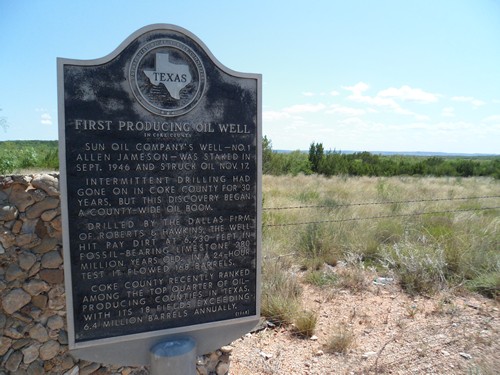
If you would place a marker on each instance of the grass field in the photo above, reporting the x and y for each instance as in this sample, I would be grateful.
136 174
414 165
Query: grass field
419 231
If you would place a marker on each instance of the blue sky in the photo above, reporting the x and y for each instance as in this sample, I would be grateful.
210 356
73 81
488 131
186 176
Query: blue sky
353 75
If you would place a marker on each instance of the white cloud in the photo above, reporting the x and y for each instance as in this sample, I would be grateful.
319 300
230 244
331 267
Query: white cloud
493 118
468 99
334 93
46 119
274 115
308 93
448 112
407 93
304 108
347 111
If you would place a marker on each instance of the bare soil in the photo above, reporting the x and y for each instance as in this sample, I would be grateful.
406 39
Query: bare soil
394 333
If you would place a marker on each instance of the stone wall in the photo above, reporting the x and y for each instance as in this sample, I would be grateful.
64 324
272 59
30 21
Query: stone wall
33 336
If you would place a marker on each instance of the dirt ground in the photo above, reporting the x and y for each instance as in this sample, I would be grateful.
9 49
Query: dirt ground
393 333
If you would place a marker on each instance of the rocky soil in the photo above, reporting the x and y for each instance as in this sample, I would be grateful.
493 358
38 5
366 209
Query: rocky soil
392 333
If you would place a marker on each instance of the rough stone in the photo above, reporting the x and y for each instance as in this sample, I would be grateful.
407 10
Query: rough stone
52 259
3 320
30 353
56 223
40 301
5 343
36 286
27 240
41 229
63 337
55 322
13 333
14 361
47 244
29 225
39 333
40 207
18 344
222 368
36 368
89 369
8 213
74 371
15 300
7 239
49 350
33 311
47 183
16 228
38 194
67 362
26 260
52 276
14 272
57 298
20 197
50 215
34 270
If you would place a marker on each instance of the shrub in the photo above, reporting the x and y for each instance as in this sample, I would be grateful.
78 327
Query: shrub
318 246
305 323
281 293
420 268
341 339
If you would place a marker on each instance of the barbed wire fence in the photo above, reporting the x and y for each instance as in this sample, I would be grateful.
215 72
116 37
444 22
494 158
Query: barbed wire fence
376 217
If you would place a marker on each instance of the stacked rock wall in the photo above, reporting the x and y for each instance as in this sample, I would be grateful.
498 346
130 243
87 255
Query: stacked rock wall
33 336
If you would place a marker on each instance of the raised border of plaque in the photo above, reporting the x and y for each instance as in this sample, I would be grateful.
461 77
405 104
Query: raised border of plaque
126 121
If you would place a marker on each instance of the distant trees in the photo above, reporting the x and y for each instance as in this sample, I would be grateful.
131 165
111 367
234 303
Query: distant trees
23 155
364 163
316 156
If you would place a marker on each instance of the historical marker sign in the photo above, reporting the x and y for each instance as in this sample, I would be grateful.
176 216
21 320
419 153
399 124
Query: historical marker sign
160 179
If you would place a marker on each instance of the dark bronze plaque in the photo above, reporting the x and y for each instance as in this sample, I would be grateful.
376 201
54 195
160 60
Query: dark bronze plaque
161 182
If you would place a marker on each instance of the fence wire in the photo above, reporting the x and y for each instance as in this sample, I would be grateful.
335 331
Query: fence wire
379 203
376 217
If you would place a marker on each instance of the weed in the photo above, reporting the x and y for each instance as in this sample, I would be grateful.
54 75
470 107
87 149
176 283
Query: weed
305 323
317 246
320 278
280 293
419 268
353 278
341 339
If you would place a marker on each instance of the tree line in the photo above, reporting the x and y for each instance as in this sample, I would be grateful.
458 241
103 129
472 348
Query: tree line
332 163
22 155
25 155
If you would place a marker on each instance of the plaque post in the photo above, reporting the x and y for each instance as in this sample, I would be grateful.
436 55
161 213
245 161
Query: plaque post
174 357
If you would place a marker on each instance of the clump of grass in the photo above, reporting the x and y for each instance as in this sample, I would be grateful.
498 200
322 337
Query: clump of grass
341 339
352 278
318 246
487 284
281 293
420 268
305 323
320 278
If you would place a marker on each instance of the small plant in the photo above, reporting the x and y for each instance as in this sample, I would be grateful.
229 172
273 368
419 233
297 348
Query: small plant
411 311
305 323
280 293
320 278
317 246
420 268
487 284
341 340
352 278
